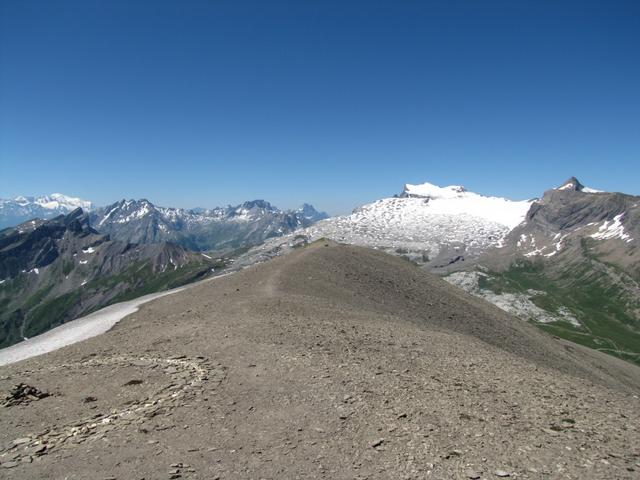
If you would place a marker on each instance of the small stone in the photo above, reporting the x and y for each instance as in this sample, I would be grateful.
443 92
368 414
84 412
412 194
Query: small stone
473 475
21 441
453 453
38 450
135 381
9 464
377 443
502 473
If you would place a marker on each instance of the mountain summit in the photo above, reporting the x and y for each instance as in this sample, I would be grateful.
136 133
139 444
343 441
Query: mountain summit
574 185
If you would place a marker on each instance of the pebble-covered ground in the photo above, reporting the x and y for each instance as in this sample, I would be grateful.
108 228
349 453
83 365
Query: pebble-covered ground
330 362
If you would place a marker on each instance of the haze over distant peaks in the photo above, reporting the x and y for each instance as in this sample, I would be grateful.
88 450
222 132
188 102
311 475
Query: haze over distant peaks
22 208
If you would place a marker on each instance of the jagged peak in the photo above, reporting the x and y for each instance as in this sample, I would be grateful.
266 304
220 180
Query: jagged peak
571 184
574 185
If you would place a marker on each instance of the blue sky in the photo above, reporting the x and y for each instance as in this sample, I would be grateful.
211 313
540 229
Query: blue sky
204 103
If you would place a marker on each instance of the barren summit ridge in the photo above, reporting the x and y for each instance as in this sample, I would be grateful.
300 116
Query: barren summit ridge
330 362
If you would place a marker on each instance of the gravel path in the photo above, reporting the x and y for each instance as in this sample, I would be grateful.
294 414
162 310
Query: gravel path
331 362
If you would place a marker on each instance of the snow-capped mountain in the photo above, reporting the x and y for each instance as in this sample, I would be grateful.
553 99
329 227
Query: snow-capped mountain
568 261
572 265
20 209
571 212
250 223
435 225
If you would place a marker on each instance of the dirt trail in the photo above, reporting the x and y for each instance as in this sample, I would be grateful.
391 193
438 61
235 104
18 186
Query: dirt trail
332 362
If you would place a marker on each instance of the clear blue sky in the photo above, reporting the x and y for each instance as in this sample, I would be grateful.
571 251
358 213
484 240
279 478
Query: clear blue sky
202 103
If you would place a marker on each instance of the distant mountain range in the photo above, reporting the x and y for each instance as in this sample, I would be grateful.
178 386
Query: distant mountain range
52 271
140 221
569 261
20 209
247 224
56 269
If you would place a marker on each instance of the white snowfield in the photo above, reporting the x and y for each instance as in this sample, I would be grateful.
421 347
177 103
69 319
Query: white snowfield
425 217
82 328
455 200
55 201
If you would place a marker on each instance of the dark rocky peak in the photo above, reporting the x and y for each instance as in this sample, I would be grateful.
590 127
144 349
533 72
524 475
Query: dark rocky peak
262 204
36 244
78 222
310 213
573 184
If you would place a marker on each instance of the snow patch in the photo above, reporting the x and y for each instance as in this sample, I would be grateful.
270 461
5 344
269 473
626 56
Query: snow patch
612 229
82 328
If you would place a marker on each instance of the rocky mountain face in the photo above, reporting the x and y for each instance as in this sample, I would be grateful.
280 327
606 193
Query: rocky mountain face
52 271
573 265
20 209
247 224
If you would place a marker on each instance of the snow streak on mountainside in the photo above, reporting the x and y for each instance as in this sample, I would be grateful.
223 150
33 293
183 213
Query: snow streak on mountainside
438 226
20 209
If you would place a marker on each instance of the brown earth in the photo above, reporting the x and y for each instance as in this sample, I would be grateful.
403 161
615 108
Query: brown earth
331 362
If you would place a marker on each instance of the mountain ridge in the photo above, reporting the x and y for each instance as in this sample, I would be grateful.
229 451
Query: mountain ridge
339 351
230 227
